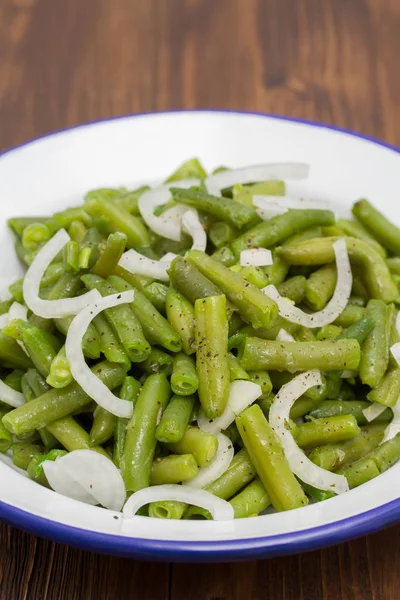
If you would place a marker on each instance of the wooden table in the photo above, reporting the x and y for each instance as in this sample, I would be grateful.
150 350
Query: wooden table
67 62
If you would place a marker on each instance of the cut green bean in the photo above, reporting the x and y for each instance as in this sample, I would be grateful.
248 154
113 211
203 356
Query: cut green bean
103 426
174 468
72 436
251 501
180 313
257 354
212 358
222 233
201 444
293 288
328 430
111 254
320 286
141 440
110 345
158 362
60 372
130 390
184 378
120 220
236 371
354 229
266 454
157 294
175 419
387 391
375 349
262 379
381 229
22 453
332 408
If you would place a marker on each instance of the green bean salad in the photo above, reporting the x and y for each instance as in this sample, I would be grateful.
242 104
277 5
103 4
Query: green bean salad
203 349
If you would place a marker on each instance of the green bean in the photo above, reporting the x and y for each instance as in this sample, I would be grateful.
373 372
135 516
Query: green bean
331 355
110 345
56 404
211 335
111 254
375 349
359 330
253 304
103 426
239 473
72 436
175 419
35 468
262 379
302 406
15 290
35 235
302 236
190 169
235 369
38 386
18 224
266 454
158 362
224 256
333 456
351 314
180 313
155 327
188 280
233 212
394 264
6 438
387 391
381 229
255 276
320 251
244 193
157 294
77 231
13 380
122 320
251 501
130 390
71 257
358 287
60 373
22 453
184 378
320 286
120 220
387 454
329 332
359 472
138 281
354 229
332 408
328 430
167 509
140 440
222 233
276 272
316 393
278 229
67 216
201 444
174 468
293 288
38 344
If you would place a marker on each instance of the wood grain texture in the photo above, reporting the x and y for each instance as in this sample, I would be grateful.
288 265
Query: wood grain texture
63 63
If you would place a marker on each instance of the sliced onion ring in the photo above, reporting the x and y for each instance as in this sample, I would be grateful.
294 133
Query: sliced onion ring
168 224
225 179
4 320
18 311
395 351
136 263
301 466
220 509
241 395
192 225
218 466
268 203
373 411
284 336
256 257
10 396
336 304
97 475
52 309
61 482
79 369
394 426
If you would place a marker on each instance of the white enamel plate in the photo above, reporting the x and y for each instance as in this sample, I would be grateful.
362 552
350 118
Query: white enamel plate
54 172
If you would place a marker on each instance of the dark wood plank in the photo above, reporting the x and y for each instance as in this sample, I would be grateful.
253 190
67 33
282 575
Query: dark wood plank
63 63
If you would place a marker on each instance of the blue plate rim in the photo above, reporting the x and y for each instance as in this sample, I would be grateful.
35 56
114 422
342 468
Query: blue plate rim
221 550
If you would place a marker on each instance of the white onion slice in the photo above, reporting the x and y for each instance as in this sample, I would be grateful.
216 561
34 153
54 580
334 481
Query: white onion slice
4 320
220 509
266 204
373 411
136 263
192 225
79 369
218 466
18 311
394 426
168 258
61 482
168 224
51 309
272 211
254 173
398 322
284 336
395 350
10 396
348 373
336 304
241 394
256 257
97 475
301 466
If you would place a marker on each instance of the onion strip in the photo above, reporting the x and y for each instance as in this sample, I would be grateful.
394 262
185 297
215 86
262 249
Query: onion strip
136 263
192 225
268 204
301 466
10 396
335 306
256 257
52 309
225 179
220 509
373 411
79 369
394 427
219 465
